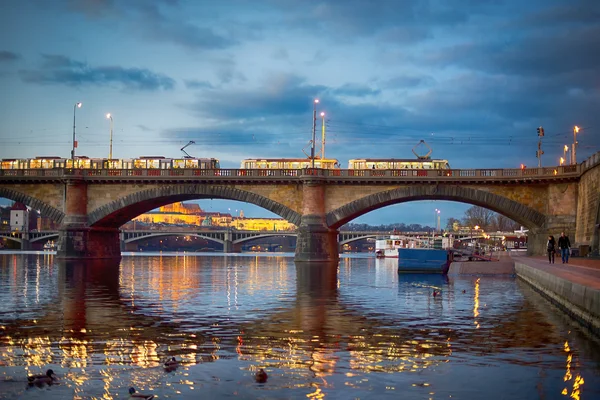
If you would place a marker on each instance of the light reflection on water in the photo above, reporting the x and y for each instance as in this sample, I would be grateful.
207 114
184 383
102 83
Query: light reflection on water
357 330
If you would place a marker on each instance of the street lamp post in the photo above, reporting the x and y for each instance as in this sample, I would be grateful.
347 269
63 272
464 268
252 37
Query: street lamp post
75 107
111 133
565 151
323 136
574 152
312 148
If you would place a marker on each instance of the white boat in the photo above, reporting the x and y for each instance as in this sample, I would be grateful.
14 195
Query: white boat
388 246
49 246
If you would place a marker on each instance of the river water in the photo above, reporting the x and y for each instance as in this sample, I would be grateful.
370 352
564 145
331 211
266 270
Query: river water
354 331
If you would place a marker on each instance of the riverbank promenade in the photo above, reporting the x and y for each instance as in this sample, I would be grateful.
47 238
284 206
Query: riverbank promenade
573 287
583 271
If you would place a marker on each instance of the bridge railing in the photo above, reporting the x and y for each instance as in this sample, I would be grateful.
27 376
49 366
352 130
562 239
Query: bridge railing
567 170
407 174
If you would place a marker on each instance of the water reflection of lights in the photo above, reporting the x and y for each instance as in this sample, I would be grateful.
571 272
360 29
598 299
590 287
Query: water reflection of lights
577 382
476 303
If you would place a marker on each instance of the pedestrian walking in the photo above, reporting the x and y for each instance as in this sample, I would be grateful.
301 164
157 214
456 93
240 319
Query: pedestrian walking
564 245
551 249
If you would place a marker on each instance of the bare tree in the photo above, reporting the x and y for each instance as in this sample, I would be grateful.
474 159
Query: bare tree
452 224
478 216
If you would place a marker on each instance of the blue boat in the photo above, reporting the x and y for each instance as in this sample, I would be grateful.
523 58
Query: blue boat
424 261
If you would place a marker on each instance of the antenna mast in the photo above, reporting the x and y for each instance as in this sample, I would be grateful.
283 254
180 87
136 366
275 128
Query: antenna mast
185 152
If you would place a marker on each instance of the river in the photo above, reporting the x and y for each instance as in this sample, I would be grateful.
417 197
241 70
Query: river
354 331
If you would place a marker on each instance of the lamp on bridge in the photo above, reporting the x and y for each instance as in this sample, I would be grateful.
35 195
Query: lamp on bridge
75 107
574 152
323 137
312 147
111 132
562 160
565 151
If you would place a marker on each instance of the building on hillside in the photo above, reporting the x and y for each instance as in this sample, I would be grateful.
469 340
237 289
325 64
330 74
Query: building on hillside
217 219
181 208
192 214
19 217
262 224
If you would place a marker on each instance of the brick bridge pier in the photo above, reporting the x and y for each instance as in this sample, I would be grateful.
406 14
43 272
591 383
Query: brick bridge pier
91 205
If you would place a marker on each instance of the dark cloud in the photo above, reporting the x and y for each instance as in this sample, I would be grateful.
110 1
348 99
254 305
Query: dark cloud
7 56
195 84
159 21
58 69
407 82
281 94
545 53
355 90
406 21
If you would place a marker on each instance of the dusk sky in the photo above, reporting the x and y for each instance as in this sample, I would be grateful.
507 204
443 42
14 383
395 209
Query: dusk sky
473 78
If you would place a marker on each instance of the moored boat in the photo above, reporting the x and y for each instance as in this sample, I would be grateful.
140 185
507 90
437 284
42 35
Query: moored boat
434 261
388 246
49 246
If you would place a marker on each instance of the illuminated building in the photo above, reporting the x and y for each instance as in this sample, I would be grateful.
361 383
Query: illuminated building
192 214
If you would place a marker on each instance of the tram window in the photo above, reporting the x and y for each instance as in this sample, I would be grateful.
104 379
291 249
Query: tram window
191 163
152 164
10 164
165 164
47 163
35 164
139 164
114 164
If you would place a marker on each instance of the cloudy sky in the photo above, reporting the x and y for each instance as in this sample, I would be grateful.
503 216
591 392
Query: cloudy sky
473 78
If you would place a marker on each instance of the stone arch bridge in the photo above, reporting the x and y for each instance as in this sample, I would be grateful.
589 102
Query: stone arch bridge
91 204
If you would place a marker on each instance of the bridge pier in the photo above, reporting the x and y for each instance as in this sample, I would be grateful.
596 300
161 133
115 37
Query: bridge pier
78 240
316 242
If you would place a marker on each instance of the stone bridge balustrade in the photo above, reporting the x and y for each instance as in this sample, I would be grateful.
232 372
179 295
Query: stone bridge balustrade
92 204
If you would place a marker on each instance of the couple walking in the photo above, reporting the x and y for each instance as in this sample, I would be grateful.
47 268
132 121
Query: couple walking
564 245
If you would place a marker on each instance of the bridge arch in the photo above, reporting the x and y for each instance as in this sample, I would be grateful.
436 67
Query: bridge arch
518 212
13 238
118 212
354 239
159 234
47 210
249 238
45 237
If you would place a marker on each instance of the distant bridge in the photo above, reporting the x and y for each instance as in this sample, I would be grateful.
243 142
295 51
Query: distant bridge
230 238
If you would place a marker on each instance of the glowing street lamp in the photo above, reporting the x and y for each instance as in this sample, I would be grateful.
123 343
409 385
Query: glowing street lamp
323 136
574 152
312 148
562 161
75 107
111 133
565 151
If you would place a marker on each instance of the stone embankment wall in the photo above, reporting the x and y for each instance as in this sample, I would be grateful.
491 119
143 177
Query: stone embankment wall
580 302
588 205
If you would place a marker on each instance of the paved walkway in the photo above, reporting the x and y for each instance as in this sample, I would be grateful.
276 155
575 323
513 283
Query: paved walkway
583 271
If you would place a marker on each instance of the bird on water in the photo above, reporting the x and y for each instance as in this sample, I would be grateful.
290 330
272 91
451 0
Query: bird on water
134 395
261 376
49 378
171 364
